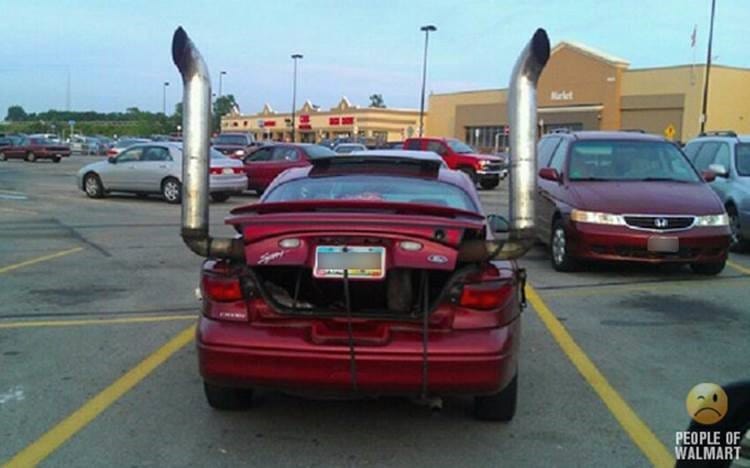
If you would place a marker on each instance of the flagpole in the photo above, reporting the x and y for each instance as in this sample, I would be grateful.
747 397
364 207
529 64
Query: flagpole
704 111
692 45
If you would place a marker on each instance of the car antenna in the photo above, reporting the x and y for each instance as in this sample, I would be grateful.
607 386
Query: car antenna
352 354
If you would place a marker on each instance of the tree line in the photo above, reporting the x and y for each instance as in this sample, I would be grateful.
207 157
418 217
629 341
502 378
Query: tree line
132 122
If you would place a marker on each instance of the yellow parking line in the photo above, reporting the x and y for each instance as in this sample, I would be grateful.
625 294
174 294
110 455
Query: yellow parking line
738 267
638 431
64 430
39 260
70 323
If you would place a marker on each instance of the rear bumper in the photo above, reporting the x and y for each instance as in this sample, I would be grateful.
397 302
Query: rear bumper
460 362
228 183
696 245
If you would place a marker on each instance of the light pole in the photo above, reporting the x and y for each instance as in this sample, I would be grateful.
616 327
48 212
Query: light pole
164 98
221 75
295 57
704 111
427 29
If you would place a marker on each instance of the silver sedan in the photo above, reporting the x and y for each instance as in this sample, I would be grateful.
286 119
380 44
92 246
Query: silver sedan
156 168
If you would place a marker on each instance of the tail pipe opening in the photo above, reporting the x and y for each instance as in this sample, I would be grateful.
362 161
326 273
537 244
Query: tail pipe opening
196 124
522 108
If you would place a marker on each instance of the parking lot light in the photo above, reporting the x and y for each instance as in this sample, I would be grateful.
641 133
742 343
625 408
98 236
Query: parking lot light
164 98
427 29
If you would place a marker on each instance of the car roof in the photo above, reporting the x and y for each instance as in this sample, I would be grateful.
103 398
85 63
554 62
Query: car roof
722 136
607 135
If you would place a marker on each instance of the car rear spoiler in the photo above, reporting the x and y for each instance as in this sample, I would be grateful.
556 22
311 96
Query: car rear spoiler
523 133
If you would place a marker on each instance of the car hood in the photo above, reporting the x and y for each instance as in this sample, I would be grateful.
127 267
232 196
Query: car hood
483 157
672 198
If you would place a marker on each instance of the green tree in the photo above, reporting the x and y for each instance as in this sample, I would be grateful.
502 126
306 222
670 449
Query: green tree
222 106
16 114
376 100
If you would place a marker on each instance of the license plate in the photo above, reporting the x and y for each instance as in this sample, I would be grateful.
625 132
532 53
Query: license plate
663 244
227 170
359 262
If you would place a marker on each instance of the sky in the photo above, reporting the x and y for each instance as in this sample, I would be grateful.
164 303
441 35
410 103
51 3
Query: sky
117 53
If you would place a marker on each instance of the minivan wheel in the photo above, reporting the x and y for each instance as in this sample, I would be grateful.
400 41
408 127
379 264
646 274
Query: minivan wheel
30 156
738 242
498 407
709 269
92 185
226 398
171 189
489 184
561 259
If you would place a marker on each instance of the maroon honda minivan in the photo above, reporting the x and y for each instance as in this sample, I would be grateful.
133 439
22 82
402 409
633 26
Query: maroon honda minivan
626 196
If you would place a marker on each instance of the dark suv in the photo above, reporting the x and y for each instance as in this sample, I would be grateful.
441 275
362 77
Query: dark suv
626 196
234 145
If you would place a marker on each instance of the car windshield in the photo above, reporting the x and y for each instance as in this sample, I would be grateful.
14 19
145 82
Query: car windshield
231 140
368 187
460 147
317 151
742 159
628 160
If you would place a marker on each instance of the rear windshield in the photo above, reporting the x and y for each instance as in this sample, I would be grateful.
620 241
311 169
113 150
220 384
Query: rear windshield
364 187
231 140
317 151
627 160
742 161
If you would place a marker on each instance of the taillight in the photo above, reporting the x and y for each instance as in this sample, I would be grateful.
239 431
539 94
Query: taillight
216 170
222 289
238 170
485 296
111 152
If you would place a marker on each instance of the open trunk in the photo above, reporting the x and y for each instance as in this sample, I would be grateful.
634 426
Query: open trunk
375 259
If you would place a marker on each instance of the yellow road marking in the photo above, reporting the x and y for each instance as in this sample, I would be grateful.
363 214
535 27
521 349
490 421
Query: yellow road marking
71 323
15 210
64 430
638 431
39 260
738 267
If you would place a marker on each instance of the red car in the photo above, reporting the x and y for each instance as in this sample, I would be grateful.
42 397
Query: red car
366 274
33 148
265 163
627 196
485 169
396 224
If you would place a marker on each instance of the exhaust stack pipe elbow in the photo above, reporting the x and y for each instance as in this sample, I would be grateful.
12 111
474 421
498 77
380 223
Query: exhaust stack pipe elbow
522 106
196 125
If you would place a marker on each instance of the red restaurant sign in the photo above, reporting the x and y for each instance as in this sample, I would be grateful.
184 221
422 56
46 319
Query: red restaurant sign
269 123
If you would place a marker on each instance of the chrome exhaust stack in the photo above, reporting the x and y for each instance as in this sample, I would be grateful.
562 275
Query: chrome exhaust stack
196 124
522 106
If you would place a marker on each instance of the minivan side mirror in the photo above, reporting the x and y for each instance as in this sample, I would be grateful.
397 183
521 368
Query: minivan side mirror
498 224
719 170
549 173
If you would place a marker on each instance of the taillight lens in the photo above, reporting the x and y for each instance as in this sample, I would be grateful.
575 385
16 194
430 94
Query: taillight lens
221 289
238 170
485 296
216 170
111 152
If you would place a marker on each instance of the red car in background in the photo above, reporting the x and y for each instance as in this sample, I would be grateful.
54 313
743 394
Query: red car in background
32 148
268 161
627 196
484 169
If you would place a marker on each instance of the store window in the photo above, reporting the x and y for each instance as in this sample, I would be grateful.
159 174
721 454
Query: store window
486 138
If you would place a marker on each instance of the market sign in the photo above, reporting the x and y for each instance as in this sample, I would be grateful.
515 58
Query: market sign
269 123
347 121
334 121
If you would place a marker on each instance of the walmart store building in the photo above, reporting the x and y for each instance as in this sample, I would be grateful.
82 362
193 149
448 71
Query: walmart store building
585 89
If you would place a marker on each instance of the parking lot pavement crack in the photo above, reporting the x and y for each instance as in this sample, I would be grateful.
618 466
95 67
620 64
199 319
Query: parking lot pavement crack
79 237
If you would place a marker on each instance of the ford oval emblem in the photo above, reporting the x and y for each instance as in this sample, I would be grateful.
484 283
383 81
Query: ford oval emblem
437 259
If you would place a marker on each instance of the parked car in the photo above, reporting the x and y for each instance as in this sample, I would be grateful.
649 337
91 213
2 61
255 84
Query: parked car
124 143
266 162
626 196
234 145
32 149
156 168
347 148
84 145
484 169
727 155
367 213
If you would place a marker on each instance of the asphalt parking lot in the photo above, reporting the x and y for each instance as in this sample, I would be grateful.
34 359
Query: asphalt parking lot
97 365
